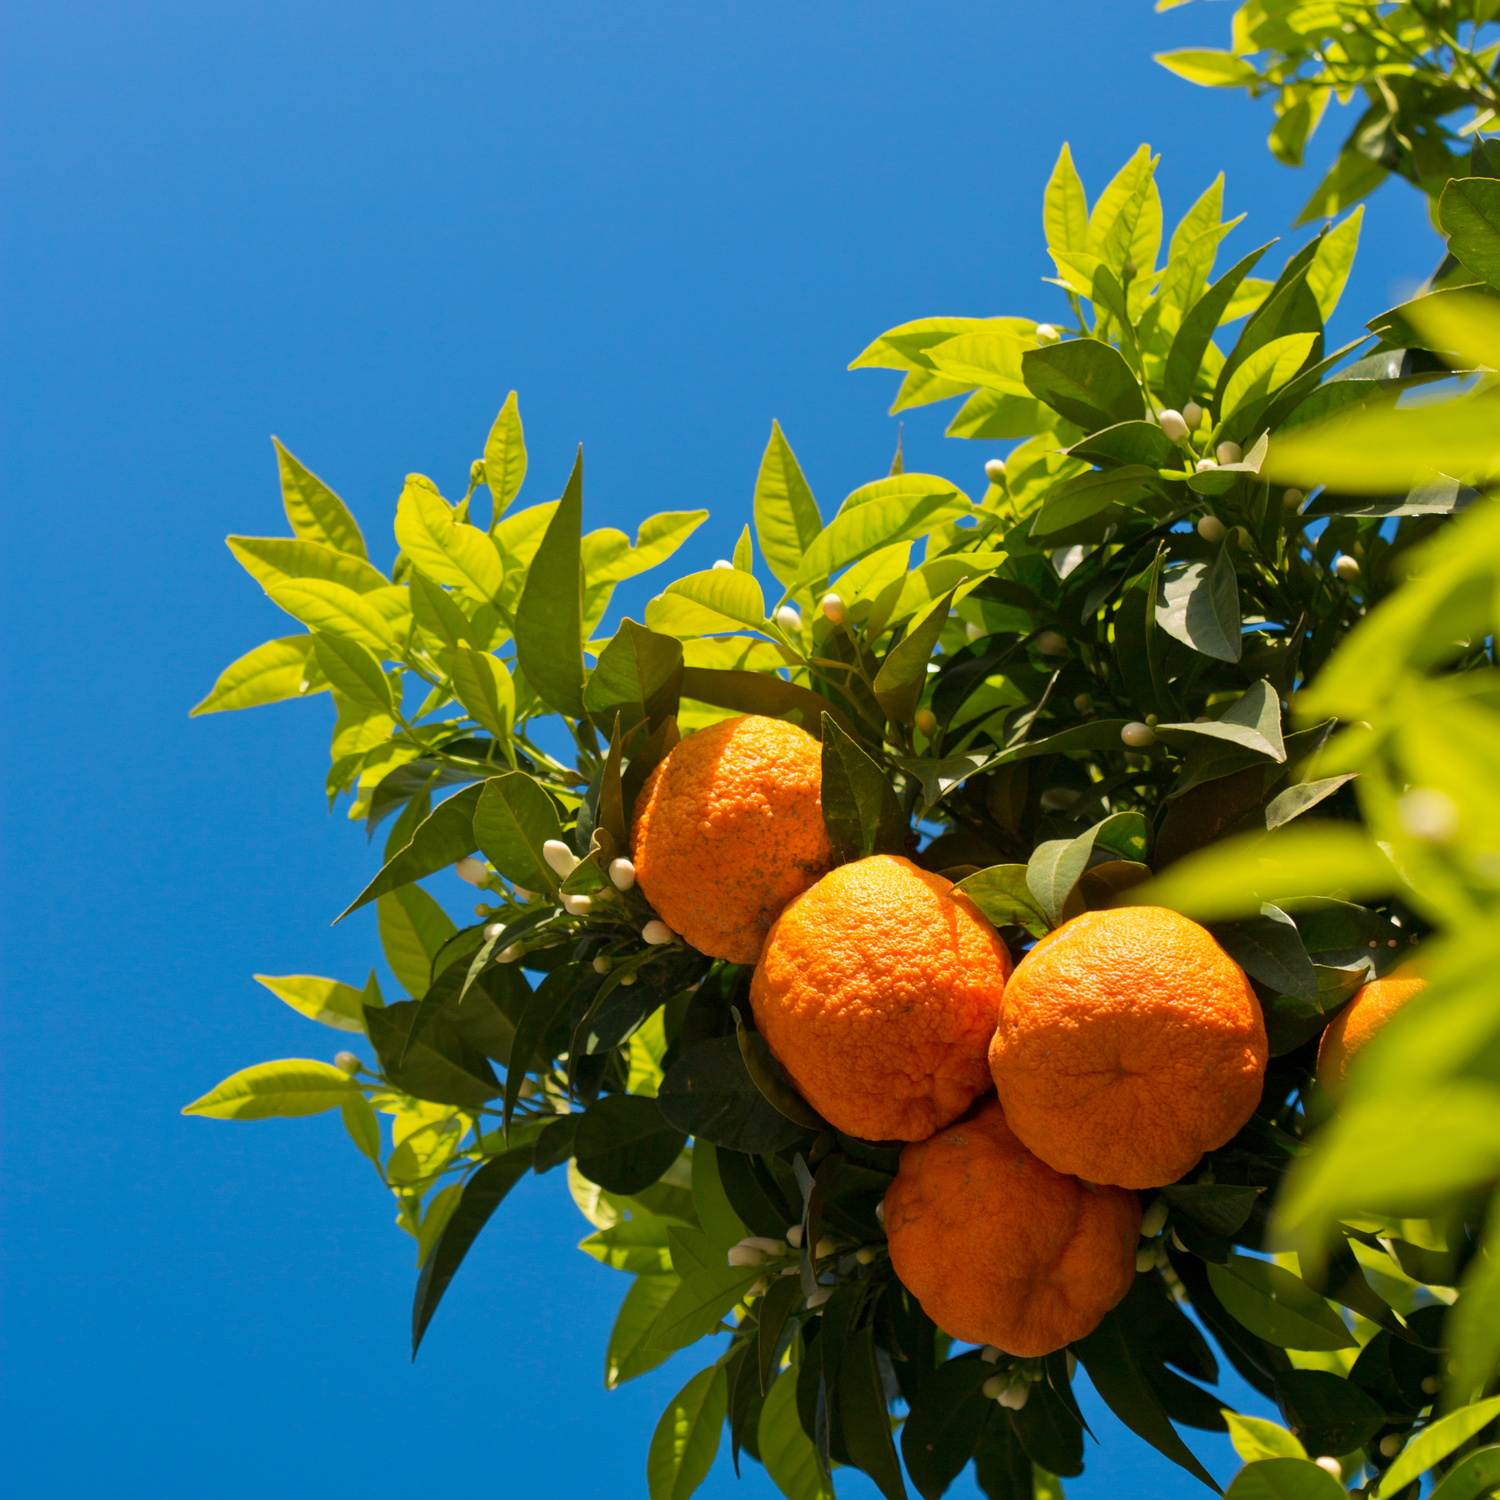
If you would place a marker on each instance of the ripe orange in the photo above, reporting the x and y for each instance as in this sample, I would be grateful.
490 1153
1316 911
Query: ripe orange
1129 1044
728 828
1000 1249
877 992
1354 1028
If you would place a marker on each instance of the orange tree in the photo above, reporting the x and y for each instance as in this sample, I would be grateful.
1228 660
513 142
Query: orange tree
1217 638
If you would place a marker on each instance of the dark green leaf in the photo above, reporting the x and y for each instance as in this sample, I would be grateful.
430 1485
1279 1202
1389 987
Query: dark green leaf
1290 1020
1200 606
863 1418
638 677
482 1195
1472 1477
708 1092
1076 500
746 1402
1221 1207
443 838
860 809
1127 1393
1002 894
542 1012
1328 1413
624 1143
767 1075
1086 381
1253 723
1128 443
1056 865
1278 1306
513 818
437 1065
1049 1432
944 1424
754 1196
1269 948
775 1308
903 674
549 616
1469 212
696 1307
761 693
1193 337
1002 1468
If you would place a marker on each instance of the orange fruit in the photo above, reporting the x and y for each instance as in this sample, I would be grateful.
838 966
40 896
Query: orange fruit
1000 1249
1129 1044
1354 1028
877 992
728 828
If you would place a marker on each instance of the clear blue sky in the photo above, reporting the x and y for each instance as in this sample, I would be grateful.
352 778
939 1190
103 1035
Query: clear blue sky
358 226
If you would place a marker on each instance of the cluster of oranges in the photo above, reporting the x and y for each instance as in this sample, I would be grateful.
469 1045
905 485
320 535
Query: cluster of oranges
1123 1046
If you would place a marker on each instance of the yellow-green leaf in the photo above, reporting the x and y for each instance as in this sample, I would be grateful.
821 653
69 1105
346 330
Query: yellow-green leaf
444 548
324 1000
275 559
485 689
505 456
786 515
293 1086
271 673
687 1436
1211 68
315 512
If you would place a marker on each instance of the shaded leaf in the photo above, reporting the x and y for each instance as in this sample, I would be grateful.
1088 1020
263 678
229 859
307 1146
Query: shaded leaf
549 616
624 1143
708 1093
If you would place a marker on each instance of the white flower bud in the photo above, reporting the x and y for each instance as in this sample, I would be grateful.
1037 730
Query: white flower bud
629 978
788 618
621 874
1229 453
1330 1466
1431 1385
577 906
824 1248
994 471
880 1214
1083 703
601 965
974 632
865 1256
1293 499
1138 735
472 870
509 955
995 1387
657 932
1173 424
1046 334
1192 414
1346 567
833 608
1212 529
1426 813
348 1062
1050 643
493 931
794 1236
1145 1258
746 1255
1204 465
1390 1445
926 721
819 1297
521 894
989 1354
1017 1396
560 857
1154 1220
724 562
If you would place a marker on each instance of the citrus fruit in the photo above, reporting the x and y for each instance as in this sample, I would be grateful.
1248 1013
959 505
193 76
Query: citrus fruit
728 828
999 1248
1129 1044
877 993
1354 1028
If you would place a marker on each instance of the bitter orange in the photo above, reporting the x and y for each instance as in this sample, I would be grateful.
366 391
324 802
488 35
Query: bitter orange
1354 1028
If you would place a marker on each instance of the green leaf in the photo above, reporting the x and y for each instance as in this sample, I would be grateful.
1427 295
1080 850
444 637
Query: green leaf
1253 722
1086 381
322 605
637 1245
1255 1438
326 1001
624 1143
437 1065
708 1093
363 1127
1185 359
1435 1443
446 549
1076 500
995 415
413 929
1473 1332
1269 948
628 1354
638 677
860 810
760 693
275 560
438 617
1265 372
1234 877
444 837
315 512
1329 1413
1002 894
1213 69
1301 797
1057 865
1471 1478
549 617
1352 176
505 456
271 673
902 677
1218 1206
608 557
990 358
485 689
696 1308
1469 212
1284 1479
925 503
1118 205
768 1076
1329 271
294 1086
1200 606
715 1212
482 1195
1065 213
942 1429
863 1419
786 516
786 1450
1126 1391
1277 1306
353 670
687 1436
512 819
727 594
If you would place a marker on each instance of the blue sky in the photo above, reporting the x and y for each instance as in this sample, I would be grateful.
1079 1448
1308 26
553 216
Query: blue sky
358 226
